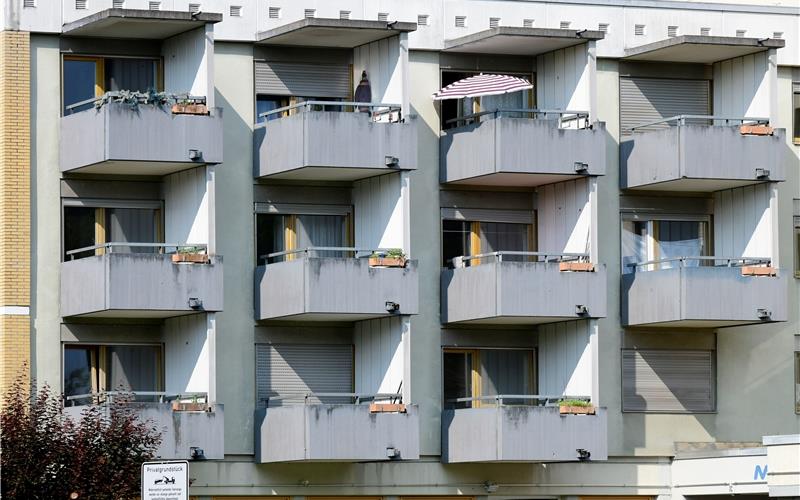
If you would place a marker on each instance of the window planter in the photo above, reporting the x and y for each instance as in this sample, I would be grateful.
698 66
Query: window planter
387 262
189 406
387 408
191 258
758 271
576 410
189 109
585 267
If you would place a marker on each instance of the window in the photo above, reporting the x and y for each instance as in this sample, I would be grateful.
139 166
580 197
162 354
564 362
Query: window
796 111
475 373
657 239
668 381
87 225
89 369
463 238
89 77
455 108
282 232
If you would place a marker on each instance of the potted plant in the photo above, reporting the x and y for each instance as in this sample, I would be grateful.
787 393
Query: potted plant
575 407
186 106
394 257
180 404
190 254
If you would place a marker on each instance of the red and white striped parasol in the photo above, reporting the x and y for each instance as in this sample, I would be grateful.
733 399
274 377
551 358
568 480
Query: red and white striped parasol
481 85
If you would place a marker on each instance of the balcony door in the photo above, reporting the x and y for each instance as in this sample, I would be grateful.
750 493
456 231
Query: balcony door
323 227
470 374
501 230
663 239
85 78
91 369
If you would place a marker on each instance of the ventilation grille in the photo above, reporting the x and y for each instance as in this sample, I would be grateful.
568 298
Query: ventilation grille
80 4
527 23
494 22
564 25
461 21
672 31
603 27
344 14
705 31
383 16
118 4
638 29
422 20
29 4
154 5
741 33
236 11
777 34
274 12
194 8
309 13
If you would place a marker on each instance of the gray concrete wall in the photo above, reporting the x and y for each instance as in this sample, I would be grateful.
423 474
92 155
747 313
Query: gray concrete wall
334 286
716 296
333 139
334 433
513 292
180 430
519 145
521 434
118 285
701 152
150 134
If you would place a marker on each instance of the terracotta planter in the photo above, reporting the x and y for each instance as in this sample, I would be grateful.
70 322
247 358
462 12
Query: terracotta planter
583 267
576 410
189 109
387 262
758 271
193 258
387 408
179 406
756 130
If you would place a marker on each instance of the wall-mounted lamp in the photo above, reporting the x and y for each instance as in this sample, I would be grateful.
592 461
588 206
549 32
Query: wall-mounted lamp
583 454
581 310
195 154
391 161
764 314
762 173
490 486
581 167
196 453
392 452
195 303
392 307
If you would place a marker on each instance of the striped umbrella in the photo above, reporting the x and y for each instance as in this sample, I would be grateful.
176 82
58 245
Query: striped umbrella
481 85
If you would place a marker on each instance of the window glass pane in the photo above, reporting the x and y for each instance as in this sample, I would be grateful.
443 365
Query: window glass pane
321 231
133 368
797 382
634 244
507 372
457 378
130 74
680 239
500 236
78 371
455 240
269 236
79 230
79 83
131 225
797 251
796 105
266 103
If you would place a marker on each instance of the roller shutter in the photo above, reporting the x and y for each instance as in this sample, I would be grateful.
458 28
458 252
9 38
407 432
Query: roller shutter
285 369
303 80
644 100
679 381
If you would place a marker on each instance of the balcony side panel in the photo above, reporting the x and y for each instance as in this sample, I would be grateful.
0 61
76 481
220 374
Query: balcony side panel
650 158
280 434
185 429
83 285
724 153
470 435
651 297
83 140
469 293
539 146
279 145
280 289
467 152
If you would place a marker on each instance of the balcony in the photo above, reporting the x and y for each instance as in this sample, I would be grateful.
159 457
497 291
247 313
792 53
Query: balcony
180 430
522 147
520 433
508 288
314 431
309 287
115 284
148 139
698 292
702 153
309 141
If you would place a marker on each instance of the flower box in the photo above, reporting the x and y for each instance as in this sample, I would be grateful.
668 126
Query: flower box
181 406
193 258
576 410
756 130
758 271
584 267
189 109
387 408
387 262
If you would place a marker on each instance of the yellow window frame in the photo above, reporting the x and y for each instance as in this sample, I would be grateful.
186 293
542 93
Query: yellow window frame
475 374
100 72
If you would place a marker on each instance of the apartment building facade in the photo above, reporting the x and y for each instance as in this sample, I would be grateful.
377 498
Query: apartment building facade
319 290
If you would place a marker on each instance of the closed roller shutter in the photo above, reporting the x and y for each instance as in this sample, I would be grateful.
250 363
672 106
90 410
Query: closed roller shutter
644 100
303 80
668 381
286 369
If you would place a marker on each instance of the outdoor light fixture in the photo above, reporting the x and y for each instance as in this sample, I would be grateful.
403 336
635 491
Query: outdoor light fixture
392 307
764 314
392 452
195 303
581 167
197 453
581 310
490 486
762 173
391 161
195 154
583 454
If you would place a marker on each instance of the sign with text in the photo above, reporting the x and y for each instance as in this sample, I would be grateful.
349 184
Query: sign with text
165 480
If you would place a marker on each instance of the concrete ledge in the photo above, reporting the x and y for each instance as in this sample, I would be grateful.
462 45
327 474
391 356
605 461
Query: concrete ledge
139 23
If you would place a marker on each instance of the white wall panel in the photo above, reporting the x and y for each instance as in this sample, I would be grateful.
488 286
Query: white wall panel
379 354
743 222
565 358
564 216
562 79
186 62
379 206
741 86
187 217
381 60
189 354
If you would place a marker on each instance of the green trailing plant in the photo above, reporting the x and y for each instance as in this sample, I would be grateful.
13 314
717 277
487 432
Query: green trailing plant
575 402
133 99
184 250
390 252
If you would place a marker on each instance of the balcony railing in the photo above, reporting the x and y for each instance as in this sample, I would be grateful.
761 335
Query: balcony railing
347 252
565 119
545 257
707 120
699 260
355 398
108 398
378 111
160 248
530 399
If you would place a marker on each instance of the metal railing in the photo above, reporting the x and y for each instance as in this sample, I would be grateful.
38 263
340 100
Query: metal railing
141 97
356 398
357 253
537 400
545 257
703 260
376 109
107 397
580 119
709 120
109 247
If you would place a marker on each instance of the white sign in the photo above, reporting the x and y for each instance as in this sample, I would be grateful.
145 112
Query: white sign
165 480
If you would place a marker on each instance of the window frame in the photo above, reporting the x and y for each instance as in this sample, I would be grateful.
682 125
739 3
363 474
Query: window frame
100 369
475 372
475 217
652 218
796 113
